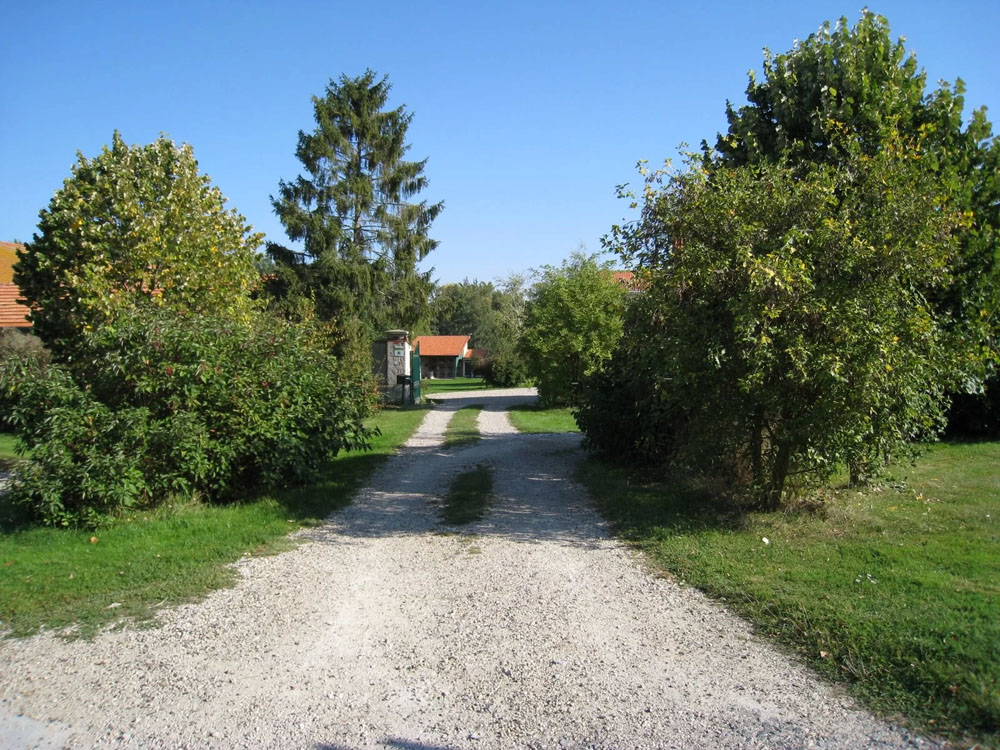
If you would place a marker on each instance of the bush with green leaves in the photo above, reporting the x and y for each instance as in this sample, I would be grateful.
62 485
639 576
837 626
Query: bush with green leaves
860 81
504 369
159 403
787 327
15 343
572 324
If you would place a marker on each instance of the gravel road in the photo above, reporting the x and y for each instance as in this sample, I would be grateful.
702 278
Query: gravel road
530 629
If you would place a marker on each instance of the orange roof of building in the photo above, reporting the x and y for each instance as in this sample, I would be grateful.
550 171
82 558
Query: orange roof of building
442 346
477 354
8 257
13 311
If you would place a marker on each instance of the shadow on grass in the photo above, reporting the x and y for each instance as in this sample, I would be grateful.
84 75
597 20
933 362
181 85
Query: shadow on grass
638 501
311 504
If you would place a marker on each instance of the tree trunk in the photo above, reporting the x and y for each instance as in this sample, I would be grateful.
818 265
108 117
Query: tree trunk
779 473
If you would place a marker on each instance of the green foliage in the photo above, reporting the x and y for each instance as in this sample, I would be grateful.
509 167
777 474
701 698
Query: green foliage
860 82
505 365
858 78
24 346
786 326
134 225
572 324
892 590
494 316
464 309
362 236
14 343
505 368
160 404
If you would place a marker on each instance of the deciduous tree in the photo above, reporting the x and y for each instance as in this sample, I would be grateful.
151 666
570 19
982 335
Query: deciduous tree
572 324
134 226
858 86
786 325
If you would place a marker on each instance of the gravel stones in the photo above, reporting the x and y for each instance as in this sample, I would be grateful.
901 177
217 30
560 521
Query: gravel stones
531 628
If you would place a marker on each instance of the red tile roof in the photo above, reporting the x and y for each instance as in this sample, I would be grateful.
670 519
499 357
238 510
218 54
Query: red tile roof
13 311
442 346
477 354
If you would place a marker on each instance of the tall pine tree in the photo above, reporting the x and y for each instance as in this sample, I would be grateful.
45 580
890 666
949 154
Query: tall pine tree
363 233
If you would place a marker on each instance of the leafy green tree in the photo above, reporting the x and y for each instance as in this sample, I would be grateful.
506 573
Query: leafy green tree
846 87
464 308
134 226
505 365
362 232
573 322
786 325
163 403
168 376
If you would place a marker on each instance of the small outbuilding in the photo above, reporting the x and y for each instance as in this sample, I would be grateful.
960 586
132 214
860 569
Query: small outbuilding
443 357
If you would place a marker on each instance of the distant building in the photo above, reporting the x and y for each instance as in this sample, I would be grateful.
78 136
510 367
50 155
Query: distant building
13 310
445 357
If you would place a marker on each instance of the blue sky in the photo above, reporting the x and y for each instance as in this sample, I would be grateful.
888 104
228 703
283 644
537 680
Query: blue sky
530 113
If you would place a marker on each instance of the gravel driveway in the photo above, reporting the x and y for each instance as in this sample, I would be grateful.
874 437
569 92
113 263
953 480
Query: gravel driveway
532 628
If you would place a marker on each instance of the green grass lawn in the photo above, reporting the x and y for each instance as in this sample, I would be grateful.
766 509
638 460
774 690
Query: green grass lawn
7 443
531 418
7 453
468 497
56 578
463 429
430 387
896 592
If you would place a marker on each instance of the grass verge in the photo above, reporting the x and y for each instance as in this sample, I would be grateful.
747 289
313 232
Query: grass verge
430 387
8 454
463 429
59 578
468 497
7 443
532 418
896 592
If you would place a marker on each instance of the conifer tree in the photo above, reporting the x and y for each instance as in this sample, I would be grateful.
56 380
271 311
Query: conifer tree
354 211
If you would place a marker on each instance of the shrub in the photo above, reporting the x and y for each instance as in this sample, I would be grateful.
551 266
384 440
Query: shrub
787 328
15 343
161 403
573 322
503 369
